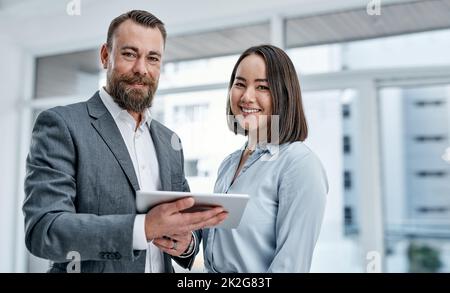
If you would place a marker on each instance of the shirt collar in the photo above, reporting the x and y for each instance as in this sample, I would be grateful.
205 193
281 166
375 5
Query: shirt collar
271 148
119 113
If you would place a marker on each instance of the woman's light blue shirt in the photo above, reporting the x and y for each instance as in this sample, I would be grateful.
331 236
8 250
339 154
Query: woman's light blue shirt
287 186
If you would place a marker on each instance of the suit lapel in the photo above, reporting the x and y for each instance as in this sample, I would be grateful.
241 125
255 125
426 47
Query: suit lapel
163 155
107 129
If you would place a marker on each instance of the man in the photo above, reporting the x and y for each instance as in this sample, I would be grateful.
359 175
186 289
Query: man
87 160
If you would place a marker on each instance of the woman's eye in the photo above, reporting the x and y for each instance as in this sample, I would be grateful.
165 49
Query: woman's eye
239 84
263 87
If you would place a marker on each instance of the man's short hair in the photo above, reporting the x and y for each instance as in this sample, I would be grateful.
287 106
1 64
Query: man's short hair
141 17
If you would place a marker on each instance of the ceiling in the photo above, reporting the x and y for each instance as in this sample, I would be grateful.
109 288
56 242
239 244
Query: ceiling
216 43
344 26
339 26
203 28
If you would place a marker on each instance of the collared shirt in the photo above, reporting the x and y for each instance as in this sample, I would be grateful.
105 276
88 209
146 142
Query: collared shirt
143 155
287 186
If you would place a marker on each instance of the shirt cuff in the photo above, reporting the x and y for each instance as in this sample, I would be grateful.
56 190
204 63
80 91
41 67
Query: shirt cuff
139 238
191 248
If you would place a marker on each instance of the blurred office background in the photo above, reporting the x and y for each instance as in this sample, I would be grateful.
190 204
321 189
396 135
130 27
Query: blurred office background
376 88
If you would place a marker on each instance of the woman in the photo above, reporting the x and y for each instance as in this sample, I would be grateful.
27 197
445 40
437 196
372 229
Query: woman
285 180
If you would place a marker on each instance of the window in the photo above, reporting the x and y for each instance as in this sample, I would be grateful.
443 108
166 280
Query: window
74 74
408 50
347 145
348 215
316 59
192 72
429 103
347 180
429 209
431 173
429 138
415 131
350 224
190 113
346 111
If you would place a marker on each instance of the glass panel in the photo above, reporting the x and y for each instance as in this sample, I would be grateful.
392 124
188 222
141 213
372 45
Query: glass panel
329 123
316 59
197 72
415 135
410 50
207 141
199 120
72 74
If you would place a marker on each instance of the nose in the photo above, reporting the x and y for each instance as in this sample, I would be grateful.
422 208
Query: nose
140 67
249 96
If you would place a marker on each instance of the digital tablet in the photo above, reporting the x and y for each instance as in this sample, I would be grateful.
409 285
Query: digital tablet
234 204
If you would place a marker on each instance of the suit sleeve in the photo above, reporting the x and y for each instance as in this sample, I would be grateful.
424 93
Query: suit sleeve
53 228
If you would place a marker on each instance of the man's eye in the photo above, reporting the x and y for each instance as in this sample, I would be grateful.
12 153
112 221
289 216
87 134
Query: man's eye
128 54
153 59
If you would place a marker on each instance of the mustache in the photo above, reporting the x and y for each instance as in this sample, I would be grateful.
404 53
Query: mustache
137 79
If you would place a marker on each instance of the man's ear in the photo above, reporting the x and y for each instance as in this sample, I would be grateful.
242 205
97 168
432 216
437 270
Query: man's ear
104 55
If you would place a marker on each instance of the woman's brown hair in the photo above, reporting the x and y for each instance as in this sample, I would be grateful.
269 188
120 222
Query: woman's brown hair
285 91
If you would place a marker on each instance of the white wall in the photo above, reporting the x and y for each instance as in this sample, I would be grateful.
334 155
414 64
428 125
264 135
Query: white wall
11 86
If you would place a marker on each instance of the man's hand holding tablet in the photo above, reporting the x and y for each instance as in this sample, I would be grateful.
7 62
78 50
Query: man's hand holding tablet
202 206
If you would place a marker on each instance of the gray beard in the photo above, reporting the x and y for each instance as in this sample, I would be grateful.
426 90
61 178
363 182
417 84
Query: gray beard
131 100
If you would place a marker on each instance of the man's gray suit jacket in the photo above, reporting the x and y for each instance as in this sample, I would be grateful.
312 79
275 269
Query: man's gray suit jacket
80 189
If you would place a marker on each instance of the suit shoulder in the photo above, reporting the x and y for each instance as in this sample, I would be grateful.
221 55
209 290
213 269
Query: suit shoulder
70 116
76 108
